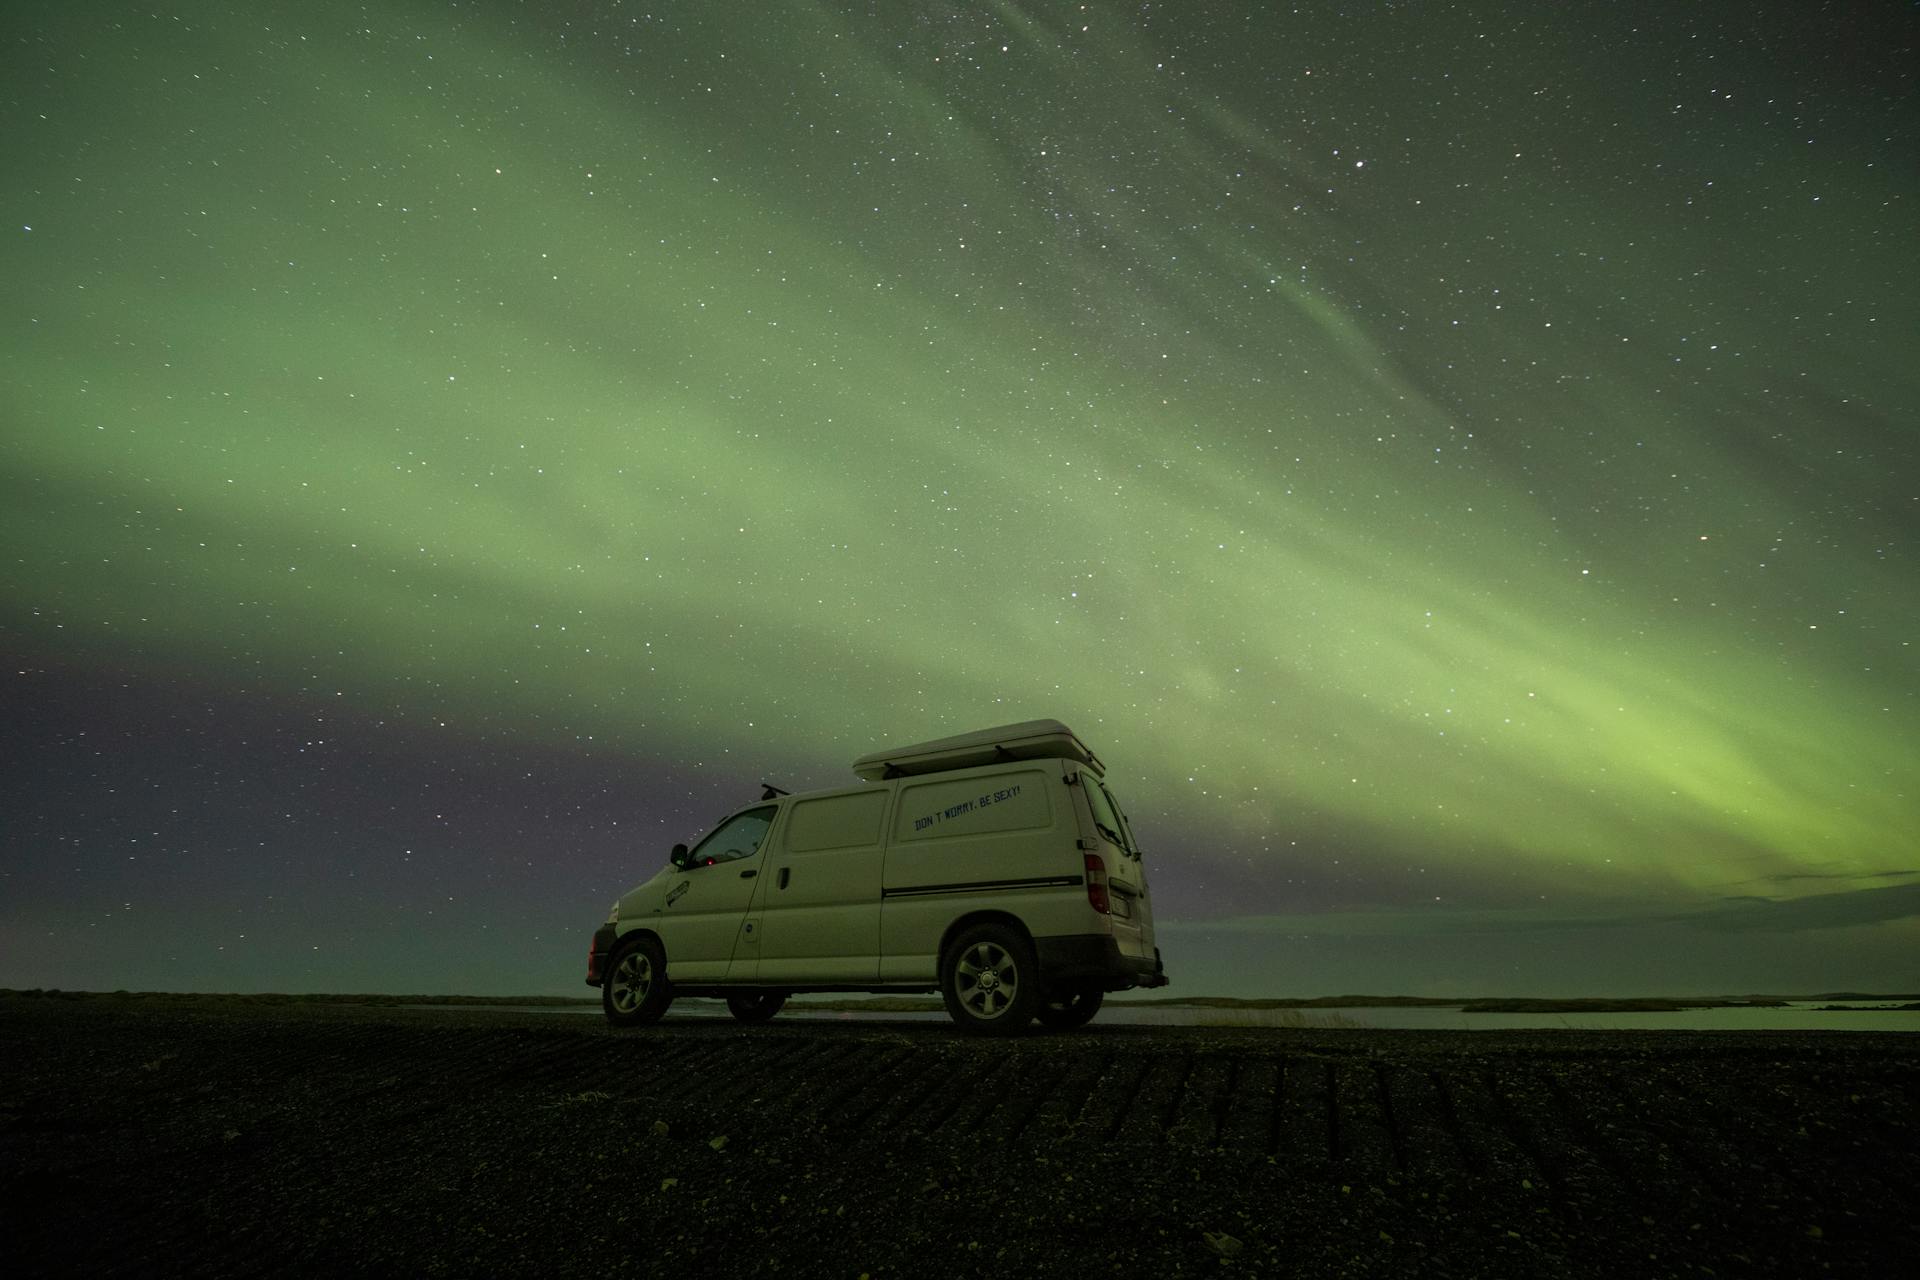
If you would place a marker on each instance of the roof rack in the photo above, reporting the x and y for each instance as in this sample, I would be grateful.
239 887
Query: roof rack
1028 740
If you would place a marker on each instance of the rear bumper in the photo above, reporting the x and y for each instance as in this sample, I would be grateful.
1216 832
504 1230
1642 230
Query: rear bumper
1091 958
603 938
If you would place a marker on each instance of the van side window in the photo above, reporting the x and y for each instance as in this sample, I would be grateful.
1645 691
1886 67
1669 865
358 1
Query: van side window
737 837
836 822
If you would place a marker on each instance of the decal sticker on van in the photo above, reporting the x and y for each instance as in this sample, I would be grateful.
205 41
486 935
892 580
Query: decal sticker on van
966 806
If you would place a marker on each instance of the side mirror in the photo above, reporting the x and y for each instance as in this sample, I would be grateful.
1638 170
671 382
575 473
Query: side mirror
678 857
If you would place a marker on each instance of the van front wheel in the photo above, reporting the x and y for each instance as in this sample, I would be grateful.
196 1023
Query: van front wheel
635 991
1065 1010
990 980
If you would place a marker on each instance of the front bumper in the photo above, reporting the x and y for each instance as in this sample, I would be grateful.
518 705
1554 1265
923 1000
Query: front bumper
1088 958
603 939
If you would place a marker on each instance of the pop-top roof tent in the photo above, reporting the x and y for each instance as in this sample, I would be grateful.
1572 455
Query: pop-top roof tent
1028 740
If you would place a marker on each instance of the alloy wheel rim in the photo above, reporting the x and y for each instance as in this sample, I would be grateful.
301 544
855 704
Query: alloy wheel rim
632 979
988 980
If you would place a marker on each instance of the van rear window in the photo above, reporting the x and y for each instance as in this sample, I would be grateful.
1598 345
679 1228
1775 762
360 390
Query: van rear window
974 806
836 822
1106 815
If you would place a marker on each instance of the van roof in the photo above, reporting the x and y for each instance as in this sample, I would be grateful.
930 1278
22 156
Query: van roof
1028 740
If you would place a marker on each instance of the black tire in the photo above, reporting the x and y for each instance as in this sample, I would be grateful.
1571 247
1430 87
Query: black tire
990 980
1066 1010
756 1006
635 992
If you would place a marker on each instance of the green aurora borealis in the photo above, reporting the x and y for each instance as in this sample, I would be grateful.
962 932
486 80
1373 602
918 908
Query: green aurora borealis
1455 465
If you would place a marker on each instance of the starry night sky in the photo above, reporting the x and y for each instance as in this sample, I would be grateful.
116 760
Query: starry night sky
1455 464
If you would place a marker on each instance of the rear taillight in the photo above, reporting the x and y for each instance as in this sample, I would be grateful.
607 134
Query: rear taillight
1097 884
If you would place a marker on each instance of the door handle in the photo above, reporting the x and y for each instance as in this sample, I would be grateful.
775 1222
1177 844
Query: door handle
784 872
748 875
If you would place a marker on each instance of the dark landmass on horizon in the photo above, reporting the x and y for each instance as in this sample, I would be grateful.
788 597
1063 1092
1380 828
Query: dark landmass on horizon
1519 1004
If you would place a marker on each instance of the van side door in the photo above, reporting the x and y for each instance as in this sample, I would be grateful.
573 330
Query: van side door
819 914
701 917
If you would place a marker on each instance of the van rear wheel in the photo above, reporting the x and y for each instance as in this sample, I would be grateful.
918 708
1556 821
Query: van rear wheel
635 992
1065 1010
990 980
756 1006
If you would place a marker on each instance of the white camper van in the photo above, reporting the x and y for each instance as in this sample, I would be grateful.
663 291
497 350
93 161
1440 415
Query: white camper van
995 867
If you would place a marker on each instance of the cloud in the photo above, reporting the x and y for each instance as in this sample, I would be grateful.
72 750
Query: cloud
1812 911
1831 875
1747 914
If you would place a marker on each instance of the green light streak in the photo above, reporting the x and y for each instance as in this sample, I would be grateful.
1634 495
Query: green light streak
559 399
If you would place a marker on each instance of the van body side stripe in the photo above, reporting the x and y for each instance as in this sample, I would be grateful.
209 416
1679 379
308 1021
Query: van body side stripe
977 886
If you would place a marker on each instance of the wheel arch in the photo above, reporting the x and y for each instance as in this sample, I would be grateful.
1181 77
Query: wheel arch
633 937
984 916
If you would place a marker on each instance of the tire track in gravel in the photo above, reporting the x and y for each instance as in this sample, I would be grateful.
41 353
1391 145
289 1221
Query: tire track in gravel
1389 1112
1129 1081
1420 1110
1193 1120
1366 1137
1485 1142
1576 1102
869 1089
1538 1120
1247 1125
908 1110
1058 1119
906 1081
788 1059
974 1096
1305 1133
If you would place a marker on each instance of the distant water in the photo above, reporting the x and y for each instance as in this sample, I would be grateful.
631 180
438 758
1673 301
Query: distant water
1797 1016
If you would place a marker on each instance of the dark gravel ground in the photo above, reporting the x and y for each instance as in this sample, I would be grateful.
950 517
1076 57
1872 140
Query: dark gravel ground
210 1137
